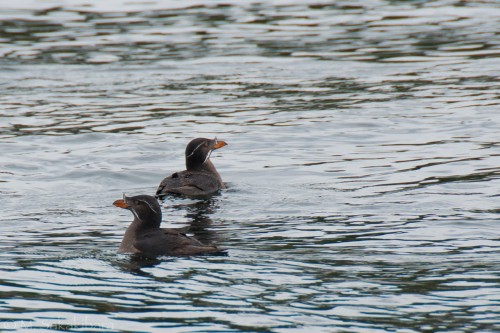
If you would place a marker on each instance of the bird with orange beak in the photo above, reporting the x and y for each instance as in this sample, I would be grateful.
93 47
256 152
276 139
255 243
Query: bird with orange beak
200 177
145 237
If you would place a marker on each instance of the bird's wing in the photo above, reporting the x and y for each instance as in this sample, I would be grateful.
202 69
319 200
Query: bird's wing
187 183
168 242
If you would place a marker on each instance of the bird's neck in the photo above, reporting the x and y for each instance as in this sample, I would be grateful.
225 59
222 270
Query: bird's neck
127 244
209 167
135 228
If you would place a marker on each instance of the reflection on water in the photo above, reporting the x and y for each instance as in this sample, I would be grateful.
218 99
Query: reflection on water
198 214
363 31
363 164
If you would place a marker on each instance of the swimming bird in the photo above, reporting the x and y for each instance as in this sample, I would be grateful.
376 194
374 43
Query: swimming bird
200 177
145 237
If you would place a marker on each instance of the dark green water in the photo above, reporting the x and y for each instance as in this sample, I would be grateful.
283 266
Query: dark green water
363 164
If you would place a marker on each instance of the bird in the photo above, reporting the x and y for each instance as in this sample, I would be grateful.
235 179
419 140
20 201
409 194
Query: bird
200 177
145 237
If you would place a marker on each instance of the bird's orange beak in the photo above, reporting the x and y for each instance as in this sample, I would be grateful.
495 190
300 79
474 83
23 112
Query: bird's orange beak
220 144
120 203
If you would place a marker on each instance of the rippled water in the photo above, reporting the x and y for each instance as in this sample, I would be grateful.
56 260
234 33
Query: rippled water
363 164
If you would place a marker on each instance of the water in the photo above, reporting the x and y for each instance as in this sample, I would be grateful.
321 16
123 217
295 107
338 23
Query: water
362 165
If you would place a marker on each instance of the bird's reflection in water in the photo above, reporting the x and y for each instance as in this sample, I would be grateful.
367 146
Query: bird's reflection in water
136 263
200 223
198 216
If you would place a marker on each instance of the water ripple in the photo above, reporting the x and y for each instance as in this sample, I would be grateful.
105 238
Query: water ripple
362 165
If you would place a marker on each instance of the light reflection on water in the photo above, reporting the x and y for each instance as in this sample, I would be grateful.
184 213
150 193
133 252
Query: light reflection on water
362 165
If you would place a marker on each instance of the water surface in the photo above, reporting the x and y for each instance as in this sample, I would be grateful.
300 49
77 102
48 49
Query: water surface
362 165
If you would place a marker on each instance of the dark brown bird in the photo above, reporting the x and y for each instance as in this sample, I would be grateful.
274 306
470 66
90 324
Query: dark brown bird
200 177
145 237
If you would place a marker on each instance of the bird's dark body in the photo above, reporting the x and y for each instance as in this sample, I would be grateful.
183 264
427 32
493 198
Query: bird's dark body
200 177
145 237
